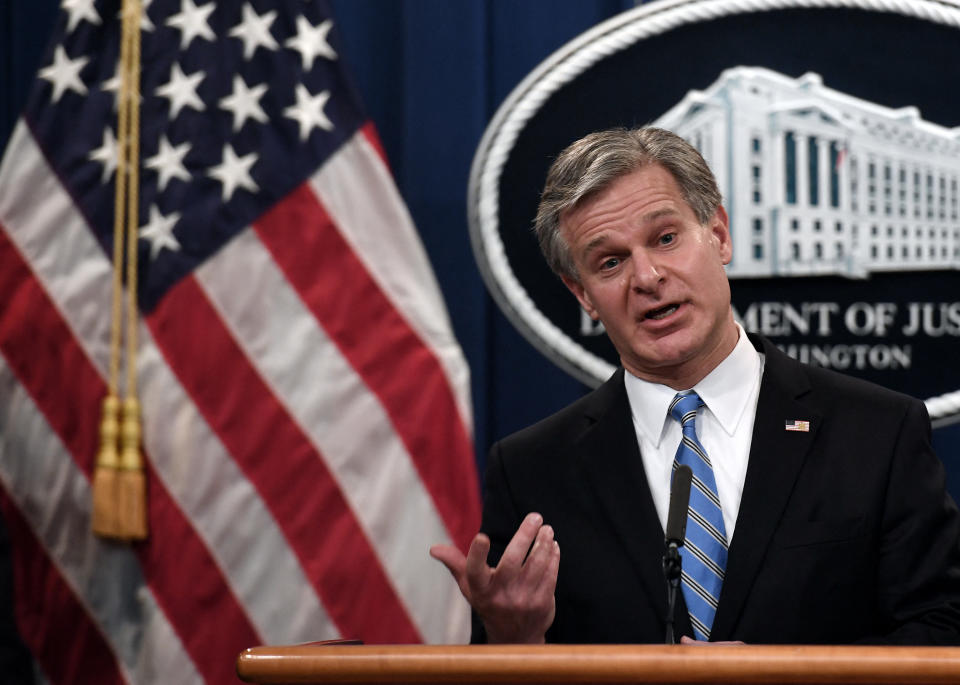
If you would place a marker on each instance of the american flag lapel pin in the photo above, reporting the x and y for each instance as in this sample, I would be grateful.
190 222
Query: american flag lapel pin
798 426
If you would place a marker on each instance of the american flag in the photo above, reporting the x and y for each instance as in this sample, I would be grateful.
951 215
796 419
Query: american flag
307 423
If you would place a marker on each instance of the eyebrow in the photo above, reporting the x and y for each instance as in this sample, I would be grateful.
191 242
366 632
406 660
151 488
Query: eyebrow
594 244
653 216
646 218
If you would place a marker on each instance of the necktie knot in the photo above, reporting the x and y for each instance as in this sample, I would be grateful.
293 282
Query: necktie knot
684 407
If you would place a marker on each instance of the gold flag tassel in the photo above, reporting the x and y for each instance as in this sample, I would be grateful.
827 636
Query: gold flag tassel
119 483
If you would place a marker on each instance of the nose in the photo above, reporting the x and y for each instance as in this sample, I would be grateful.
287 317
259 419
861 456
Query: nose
645 274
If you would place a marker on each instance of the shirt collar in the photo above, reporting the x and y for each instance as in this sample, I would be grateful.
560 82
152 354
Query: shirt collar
723 390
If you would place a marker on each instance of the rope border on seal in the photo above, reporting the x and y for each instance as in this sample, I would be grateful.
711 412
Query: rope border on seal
560 68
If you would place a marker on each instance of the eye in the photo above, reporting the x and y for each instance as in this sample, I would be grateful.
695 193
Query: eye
610 263
666 238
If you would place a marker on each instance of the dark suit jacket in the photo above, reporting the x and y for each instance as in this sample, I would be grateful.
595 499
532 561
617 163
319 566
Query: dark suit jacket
845 533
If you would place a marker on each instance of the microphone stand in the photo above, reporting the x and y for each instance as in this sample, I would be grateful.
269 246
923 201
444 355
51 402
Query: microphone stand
672 571
676 530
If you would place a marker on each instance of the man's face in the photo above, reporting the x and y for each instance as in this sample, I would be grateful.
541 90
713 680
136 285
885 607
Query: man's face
654 276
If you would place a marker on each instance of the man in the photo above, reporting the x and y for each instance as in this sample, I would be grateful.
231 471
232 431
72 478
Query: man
818 512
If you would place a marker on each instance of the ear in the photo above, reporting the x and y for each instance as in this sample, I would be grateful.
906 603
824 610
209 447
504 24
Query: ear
720 228
574 286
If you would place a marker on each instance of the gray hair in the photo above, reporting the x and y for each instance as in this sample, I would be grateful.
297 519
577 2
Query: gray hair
593 163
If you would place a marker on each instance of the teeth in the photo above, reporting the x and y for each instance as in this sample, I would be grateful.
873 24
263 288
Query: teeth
662 313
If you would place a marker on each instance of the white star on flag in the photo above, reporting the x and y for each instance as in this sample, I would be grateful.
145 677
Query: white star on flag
106 154
79 10
168 162
311 42
308 111
64 73
181 90
254 31
192 22
234 172
159 232
244 103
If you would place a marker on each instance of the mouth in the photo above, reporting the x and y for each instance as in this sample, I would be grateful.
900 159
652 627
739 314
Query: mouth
662 312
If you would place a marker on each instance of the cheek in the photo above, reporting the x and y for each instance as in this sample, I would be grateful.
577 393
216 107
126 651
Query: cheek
717 293
610 290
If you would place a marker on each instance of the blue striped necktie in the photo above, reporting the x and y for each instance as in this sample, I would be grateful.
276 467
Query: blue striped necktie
704 551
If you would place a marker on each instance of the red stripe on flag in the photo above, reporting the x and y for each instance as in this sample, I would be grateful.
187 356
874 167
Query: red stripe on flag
191 590
41 351
53 624
384 350
283 465
369 132
54 369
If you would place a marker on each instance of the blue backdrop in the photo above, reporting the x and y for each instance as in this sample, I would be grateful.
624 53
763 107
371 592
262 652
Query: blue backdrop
432 73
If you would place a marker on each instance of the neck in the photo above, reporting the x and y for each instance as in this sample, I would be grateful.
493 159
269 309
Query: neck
687 374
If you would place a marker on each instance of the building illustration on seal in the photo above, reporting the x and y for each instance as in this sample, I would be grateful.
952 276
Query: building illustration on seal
818 182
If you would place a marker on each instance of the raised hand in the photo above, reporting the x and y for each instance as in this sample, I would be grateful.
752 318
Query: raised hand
515 600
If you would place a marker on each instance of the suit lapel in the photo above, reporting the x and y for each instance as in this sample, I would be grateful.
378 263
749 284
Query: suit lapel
612 465
776 457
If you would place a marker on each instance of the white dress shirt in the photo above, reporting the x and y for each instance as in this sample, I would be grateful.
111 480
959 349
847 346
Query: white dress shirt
724 427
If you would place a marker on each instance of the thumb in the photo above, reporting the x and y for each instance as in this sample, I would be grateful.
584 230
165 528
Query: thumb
453 559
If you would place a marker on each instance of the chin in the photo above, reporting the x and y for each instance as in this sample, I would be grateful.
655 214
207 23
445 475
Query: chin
676 346
664 357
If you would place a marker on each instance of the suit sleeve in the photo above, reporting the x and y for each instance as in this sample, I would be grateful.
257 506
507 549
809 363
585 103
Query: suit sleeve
500 520
919 556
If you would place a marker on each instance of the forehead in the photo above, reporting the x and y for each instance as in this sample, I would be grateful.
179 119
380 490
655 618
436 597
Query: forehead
639 197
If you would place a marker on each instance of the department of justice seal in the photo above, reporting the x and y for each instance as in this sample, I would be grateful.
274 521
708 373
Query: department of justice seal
838 159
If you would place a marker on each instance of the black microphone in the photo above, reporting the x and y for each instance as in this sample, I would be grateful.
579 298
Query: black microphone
679 503
676 529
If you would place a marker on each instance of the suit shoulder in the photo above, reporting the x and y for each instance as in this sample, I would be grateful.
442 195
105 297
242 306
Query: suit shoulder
856 392
564 427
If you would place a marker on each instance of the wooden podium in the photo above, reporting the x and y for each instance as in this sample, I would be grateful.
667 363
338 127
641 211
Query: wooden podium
317 663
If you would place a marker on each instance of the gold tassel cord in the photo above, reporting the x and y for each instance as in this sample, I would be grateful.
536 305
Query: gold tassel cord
131 486
119 484
105 521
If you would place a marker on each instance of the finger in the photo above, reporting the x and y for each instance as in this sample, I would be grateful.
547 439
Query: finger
516 551
548 580
541 600
452 558
477 571
538 558
449 556
703 643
